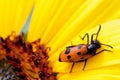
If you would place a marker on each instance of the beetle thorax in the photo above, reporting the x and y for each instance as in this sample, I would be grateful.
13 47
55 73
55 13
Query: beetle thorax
94 46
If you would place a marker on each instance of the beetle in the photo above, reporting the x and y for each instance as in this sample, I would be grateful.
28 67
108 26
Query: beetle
82 52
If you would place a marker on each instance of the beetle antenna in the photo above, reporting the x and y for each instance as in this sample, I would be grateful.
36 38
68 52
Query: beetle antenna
98 31
95 34
107 45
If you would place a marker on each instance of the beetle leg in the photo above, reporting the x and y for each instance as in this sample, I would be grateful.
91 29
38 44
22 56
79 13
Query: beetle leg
85 64
72 67
87 36
102 51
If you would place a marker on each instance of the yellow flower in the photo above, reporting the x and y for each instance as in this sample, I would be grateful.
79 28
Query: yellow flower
60 22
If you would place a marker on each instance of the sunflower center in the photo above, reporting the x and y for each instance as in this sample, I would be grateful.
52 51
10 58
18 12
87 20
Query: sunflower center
29 60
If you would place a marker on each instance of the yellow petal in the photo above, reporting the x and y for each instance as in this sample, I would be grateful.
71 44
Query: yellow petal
106 73
13 14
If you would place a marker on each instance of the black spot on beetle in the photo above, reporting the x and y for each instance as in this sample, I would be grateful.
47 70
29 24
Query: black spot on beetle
79 46
78 53
68 57
67 51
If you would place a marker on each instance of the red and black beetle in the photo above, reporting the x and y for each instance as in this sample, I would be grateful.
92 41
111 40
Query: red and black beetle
82 52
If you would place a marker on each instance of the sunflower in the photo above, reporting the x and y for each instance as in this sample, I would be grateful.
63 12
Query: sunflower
34 32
